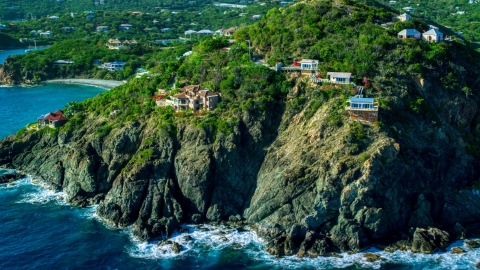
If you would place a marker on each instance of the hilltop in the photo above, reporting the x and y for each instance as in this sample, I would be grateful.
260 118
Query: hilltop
280 152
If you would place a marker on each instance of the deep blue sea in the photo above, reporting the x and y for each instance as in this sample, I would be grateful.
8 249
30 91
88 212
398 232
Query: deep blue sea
39 230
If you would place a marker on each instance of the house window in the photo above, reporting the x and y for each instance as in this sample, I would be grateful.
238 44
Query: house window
341 80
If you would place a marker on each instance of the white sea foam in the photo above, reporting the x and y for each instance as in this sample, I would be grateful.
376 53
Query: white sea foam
206 238
439 260
41 193
200 238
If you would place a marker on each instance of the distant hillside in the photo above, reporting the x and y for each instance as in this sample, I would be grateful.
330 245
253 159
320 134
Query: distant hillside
462 17
20 9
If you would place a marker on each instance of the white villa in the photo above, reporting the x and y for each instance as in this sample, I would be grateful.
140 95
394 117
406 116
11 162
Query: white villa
409 33
54 18
339 77
113 66
433 35
125 26
404 17
309 64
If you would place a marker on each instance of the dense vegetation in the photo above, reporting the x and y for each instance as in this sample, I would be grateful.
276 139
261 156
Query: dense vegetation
448 13
39 65
147 27
344 37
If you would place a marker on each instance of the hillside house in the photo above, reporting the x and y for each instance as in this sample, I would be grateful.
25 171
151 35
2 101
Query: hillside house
125 26
228 32
309 64
339 77
194 97
102 28
256 17
116 44
90 17
409 33
113 66
2 26
205 32
53 120
45 34
69 29
362 109
404 17
54 18
433 35
59 63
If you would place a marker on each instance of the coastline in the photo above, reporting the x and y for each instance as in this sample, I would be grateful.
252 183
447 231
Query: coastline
107 84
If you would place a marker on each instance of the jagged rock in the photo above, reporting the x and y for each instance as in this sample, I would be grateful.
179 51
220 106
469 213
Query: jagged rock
478 265
11 177
162 243
176 247
335 255
78 201
319 248
276 246
429 241
460 231
472 244
347 235
235 218
294 239
402 245
457 250
187 238
421 217
196 218
97 199
372 257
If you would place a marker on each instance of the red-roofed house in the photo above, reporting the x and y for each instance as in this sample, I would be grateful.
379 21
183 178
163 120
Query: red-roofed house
195 98
53 120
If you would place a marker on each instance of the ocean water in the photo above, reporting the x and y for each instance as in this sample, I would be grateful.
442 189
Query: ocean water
39 230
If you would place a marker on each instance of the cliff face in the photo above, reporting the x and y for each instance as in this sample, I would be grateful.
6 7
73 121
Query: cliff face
306 178
306 184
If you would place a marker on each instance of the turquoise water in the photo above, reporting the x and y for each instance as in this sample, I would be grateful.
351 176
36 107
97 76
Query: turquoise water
39 230
20 106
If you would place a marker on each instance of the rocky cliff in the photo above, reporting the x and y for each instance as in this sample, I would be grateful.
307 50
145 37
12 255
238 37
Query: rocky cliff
305 177
301 183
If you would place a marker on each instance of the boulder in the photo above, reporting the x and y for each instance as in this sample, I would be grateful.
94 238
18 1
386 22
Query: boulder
176 247
319 248
472 244
11 177
457 250
347 235
402 245
372 257
429 241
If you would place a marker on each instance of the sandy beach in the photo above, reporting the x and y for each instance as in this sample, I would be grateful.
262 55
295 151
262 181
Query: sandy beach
107 84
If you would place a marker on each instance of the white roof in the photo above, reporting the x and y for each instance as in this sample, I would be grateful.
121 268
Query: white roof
433 32
309 61
205 32
408 32
339 74
190 32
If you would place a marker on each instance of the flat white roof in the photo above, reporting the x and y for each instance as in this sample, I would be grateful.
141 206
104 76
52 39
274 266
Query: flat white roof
339 74
309 61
